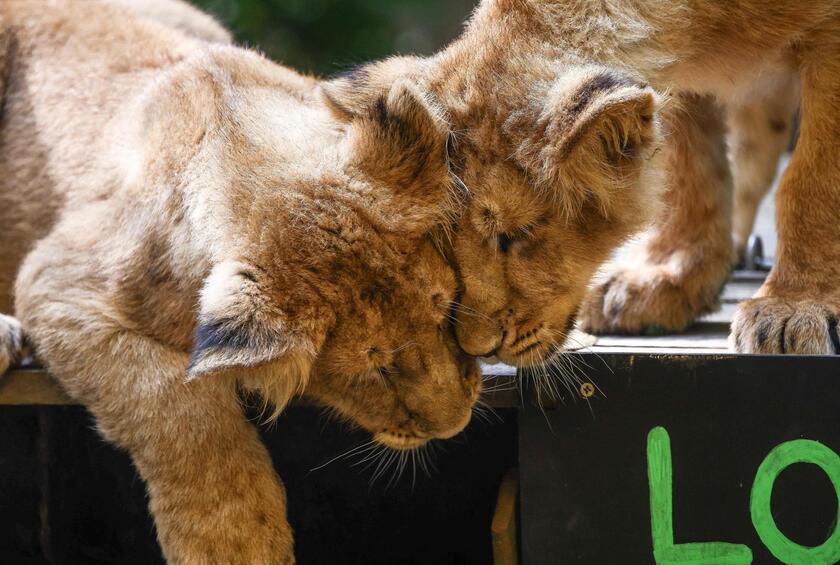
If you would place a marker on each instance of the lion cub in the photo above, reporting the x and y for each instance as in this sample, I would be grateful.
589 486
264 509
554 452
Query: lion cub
205 226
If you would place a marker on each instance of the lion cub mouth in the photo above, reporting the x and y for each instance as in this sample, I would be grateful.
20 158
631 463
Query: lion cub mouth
396 440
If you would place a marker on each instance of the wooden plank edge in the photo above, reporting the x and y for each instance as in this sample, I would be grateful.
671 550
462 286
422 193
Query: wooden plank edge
23 387
35 387
633 350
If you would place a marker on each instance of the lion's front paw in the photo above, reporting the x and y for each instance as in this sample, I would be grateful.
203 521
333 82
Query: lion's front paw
11 342
648 299
780 325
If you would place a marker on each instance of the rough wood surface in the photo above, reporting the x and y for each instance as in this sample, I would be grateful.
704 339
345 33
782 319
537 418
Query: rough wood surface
33 386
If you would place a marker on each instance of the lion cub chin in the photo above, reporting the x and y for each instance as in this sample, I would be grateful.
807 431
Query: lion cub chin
216 229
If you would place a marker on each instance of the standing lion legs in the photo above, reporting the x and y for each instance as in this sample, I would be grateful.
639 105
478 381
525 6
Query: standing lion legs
759 132
797 308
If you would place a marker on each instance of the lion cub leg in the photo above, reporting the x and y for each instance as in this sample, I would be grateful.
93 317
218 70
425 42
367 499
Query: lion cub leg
11 342
759 132
212 488
675 273
797 308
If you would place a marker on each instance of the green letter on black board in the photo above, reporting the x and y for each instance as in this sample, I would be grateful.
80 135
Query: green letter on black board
665 552
783 456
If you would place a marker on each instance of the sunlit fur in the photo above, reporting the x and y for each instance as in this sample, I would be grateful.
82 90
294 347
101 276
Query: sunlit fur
554 180
187 220
177 14
544 95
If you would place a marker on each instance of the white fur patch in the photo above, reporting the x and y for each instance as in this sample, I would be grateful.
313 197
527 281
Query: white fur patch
11 342
222 287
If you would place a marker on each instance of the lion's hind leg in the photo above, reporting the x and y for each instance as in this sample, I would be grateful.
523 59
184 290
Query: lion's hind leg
798 307
759 132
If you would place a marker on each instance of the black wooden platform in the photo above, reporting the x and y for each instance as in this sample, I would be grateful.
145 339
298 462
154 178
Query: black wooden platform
586 492
585 495
67 497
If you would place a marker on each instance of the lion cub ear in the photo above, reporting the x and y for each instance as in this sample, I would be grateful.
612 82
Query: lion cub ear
587 136
396 133
352 93
239 328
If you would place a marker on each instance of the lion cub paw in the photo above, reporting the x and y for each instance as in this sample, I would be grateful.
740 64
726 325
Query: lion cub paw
780 325
11 342
646 299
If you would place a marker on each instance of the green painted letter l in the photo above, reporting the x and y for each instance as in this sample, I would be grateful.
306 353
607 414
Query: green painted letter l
662 518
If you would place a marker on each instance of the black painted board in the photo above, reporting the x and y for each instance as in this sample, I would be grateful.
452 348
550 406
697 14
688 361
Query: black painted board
94 503
57 472
585 497
20 493
341 518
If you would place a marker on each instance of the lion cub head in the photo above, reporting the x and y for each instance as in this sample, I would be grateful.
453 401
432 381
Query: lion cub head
336 292
558 165
408 382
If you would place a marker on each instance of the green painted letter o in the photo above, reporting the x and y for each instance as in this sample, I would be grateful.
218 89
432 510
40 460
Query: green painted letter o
783 456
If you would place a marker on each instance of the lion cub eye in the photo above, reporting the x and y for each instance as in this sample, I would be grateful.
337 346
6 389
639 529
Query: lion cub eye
387 372
504 240
377 356
445 311
443 303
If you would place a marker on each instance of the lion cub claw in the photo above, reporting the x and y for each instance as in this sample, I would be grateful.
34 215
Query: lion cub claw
783 325
11 342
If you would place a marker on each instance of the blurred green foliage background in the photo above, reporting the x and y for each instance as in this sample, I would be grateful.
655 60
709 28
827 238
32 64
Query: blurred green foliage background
327 36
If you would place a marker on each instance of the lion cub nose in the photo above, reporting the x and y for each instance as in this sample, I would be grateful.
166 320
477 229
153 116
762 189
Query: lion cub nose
478 337
479 341
490 353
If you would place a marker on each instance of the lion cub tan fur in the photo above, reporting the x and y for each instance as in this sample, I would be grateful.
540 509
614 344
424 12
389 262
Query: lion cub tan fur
542 216
205 225
559 106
